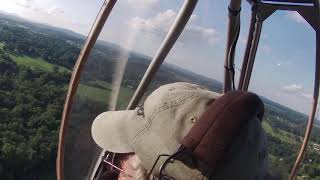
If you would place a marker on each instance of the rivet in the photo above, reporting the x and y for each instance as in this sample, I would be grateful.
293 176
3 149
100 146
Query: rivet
193 119
140 111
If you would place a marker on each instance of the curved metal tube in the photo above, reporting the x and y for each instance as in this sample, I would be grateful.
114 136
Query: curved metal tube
312 114
233 28
172 36
75 79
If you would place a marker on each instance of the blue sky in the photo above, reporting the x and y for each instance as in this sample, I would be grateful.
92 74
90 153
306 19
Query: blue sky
284 69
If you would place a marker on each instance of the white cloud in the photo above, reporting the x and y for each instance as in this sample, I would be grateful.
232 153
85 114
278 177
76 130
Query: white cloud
194 18
294 96
143 3
194 29
205 33
293 88
25 7
25 3
296 17
307 95
160 24
297 95
282 61
55 10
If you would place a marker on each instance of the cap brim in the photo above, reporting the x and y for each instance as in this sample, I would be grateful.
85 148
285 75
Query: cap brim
115 131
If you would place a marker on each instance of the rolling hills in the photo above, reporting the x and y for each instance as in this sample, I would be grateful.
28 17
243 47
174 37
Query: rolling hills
53 51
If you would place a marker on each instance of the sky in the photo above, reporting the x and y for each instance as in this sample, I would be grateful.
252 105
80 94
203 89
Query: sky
284 67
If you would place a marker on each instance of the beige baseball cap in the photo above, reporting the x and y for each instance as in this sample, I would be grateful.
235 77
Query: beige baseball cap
159 126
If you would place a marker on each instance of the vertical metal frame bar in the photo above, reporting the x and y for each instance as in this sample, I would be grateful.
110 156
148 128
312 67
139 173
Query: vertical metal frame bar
260 13
253 21
75 79
252 55
233 28
172 36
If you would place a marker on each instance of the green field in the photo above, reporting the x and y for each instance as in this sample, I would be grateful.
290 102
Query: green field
96 91
93 93
125 93
100 91
281 134
36 63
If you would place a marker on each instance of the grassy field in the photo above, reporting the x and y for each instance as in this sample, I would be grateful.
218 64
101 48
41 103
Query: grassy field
96 91
282 135
124 96
36 63
100 91
93 93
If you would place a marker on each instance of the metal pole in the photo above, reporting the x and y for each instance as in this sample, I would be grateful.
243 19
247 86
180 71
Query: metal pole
233 30
252 56
171 38
75 78
248 46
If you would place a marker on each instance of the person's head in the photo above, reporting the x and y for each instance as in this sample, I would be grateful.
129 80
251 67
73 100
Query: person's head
189 116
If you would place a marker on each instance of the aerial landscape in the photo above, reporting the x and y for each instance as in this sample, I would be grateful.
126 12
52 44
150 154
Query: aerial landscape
36 62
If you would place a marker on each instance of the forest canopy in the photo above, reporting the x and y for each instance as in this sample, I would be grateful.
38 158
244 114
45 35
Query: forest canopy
30 112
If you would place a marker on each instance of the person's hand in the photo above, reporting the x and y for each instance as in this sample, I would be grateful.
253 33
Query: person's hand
133 168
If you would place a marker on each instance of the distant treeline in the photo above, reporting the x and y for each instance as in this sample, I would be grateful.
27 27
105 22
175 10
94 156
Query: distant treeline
23 41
